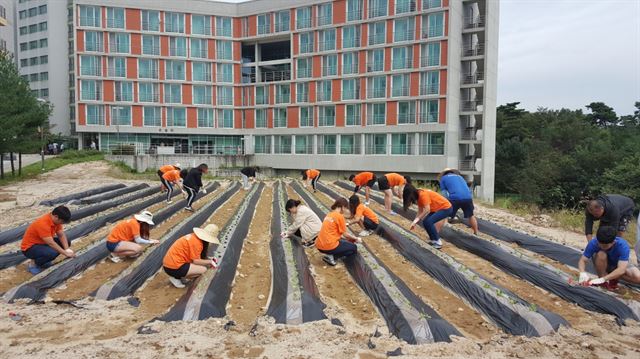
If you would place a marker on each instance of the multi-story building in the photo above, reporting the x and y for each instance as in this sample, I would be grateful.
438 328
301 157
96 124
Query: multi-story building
344 85
7 25
43 57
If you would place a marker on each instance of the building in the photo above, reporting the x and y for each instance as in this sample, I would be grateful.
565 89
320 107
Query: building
344 85
43 57
7 25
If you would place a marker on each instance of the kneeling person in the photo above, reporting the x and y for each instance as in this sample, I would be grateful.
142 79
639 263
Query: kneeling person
127 236
362 215
187 257
306 224
334 228
40 243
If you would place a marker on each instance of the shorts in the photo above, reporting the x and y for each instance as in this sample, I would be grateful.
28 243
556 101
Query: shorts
372 183
111 246
466 205
624 222
383 183
369 224
178 273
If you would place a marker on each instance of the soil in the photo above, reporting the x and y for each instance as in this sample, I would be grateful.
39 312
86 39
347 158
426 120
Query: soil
252 284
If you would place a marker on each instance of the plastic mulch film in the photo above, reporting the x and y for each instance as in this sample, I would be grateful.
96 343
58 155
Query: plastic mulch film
36 288
506 310
209 294
406 315
91 192
112 194
294 296
127 282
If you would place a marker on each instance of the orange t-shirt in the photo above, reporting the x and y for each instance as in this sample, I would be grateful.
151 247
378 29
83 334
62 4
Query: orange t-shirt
365 211
311 174
362 178
331 231
167 168
434 200
42 227
124 231
395 179
172 176
185 250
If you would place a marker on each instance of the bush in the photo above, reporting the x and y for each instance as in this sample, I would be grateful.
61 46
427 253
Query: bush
78 154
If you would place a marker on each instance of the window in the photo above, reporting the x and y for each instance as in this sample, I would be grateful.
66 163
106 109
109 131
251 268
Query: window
304 67
147 69
403 6
326 116
283 20
303 18
176 117
223 26
33 44
44 43
351 36
33 28
90 16
42 9
150 20
377 113
406 112
175 70
283 93
375 60
178 46
225 118
200 25
327 40
349 144
115 18
430 4
430 83
201 95
119 43
23 46
429 111
90 90
350 63
148 92
262 144
224 50
123 91
33 12
306 116
201 71
329 65
375 144
24 30
173 22
121 115
33 77
44 93
22 14
353 112
152 116
95 115
33 61
306 42
377 32
377 87
404 29
24 63
151 45
323 92
199 48
433 26
432 143
205 117
304 144
90 65
400 85
261 118
42 26
225 95
224 72
262 95
401 144
282 144
324 14
44 76
327 144
377 8
173 93
351 89
93 41
430 54
279 117
354 10
264 24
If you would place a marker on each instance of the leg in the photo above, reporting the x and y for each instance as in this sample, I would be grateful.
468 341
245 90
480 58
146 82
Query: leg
192 197
245 181
195 271
128 249
369 224
162 186
314 182
344 249
367 190
429 223
474 224
600 262
41 254
632 275
169 190
388 199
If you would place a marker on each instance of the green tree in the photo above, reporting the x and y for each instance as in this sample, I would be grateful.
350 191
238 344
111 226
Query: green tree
602 115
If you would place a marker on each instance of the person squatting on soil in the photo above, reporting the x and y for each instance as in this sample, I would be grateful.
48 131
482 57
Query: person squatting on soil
366 180
610 255
44 240
306 224
433 209
193 183
187 257
390 184
334 228
363 216
164 169
171 178
127 236
611 210
311 176
456 190
248 173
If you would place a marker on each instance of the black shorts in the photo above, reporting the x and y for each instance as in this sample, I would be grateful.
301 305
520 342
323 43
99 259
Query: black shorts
178 273
383 183
465 204
160 174
372 183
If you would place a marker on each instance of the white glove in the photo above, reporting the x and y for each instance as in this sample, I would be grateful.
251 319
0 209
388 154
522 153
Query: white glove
597 281
584 277
214 264
283 235
204 190
358 240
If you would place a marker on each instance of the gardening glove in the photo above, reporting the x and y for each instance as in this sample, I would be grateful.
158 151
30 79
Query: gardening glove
597 281
214 264
204 190
583 278
283 234
154 241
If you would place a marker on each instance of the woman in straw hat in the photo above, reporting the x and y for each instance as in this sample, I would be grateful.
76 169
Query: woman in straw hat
187 257
126 237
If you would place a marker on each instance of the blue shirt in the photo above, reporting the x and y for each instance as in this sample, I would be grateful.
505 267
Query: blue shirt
454 187
619 251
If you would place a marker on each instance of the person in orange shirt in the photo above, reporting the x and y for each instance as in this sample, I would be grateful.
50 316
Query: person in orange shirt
187 257
40 243
127 236
171 178
334 228
362 215
433 209
390 184
164 169
312 176
366 180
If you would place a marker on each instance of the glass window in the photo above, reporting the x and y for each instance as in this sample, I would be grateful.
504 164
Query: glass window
90 65
354 10
402 58
225 95
324 14
430 54
201 71
304 144
23 46
430 83
377 87
350 63
375 144
327 144
304 67
400 85
223 26
173 22
150 21
95 115
406 112
264 24
152 116
147 69
303 17
33 11
349 144
175 70
401 144
261 118
205 117
283 93
90 90
351 36
329 65
377 8
178 46
201 95
353 113
115 17
199 48
44 43
375 60
432 143
119 42
262 144
306 42
123 91
151 45
176 117
323 92
225 118
201 25
404 29
429 111
302 92
224 50
282 144
280 117
377 113
173 93
434 25
430 4
327 116
377 32
225 72
93 41
121 115
262 95
44 76
283 21
90 16
306 116
404 6
327 40
148 92
351 89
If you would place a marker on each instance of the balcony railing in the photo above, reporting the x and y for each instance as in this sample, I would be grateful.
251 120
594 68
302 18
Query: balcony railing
174 75
349 69
432 150
428 117
322 96
148 74
375 66
326 45
282 26
112 72
264 29
326 120
375 39
223 31
427 61
431 89
407 35
223 77
406 118
115 23
88 21
474 22
352 42
474 78
303 23
91 71
405 7
468 134
323 20
302 97
400 91
431 4
304 72
477 50
399 64
153 97
351 95
376 92
271 76
306 48
377 11
471 106
200 53
467 165
225 100
329 70
354 14
150 26
178 51
151 50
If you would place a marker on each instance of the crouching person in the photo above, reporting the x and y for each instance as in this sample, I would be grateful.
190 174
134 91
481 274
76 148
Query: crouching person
44 240
610 255
306 224
187 257
363 216
334 228
127 236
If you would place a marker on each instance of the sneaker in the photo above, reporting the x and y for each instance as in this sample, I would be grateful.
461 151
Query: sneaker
436 244
46 265
184 281
310 243
393 213
366 203
329 260
364 233
189 209
169 201
176 282
115 259
34 269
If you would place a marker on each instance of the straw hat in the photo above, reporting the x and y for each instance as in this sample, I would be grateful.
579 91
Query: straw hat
145 216
208 234
177 165
444 171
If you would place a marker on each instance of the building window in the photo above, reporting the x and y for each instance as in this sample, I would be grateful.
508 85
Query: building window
354 10
429 111
400 85
224 73
223 26
115 18
178 46
323 92
283 93
327 40
324 14
304 67
172 93
303 18
327 144
377 87
44 76
433 25
353 112
306 116
205 117
326 116
349 144
376 113
150 20
262 95
201 71
225 118
201 95
282 144
280 117
404 29
121 115
264 24
224 50
375 144
306 42
119 42
225 95
262 144
430 54
404 6
201 25
350 63
93 41
377 8
147 69
406 112
175 70
90 16
401 144
95 115
261 118
90 90
176 116
199 48
329 65
431 4
351 36
432 143
123 91
174 22
304 144
402 58
90 65
430 83
148 92
302 92
44 43
151 45
351 89
377 32
152 116
283 21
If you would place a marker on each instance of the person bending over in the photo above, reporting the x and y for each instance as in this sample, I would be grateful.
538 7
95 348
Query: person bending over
455 188
433 209
306 224
44 240
611 210
248 173
127 236
170 179
610 255
164 169
363 216
311 176
390 184
193 183
334 228
366 180
187 257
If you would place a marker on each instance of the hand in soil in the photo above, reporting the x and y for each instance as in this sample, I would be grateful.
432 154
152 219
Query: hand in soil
154 241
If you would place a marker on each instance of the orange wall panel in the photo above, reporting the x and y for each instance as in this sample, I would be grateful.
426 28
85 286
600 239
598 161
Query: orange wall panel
187 96
387 59
80 40
312 91
107 90
340 110
292 117
269 118
136 116
253 25
236 24
391 8
392 113
296 44
442 117
133 19
336 94
132 68
446 23
339 38
192 117
211 49
389 31
362 62
237 50
237 73
316 70
187 24
444 50
82 115
414 82
136 44
237 118
339 11
443 82
237 96
249 119
164 45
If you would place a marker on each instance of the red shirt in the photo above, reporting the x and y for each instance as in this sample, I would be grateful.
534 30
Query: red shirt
42 227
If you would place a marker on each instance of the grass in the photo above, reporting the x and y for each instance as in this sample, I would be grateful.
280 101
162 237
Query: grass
66 158
123 171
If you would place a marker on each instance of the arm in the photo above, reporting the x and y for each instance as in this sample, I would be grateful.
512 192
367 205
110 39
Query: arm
355 219
203 262
199 180
618 272
588 225
51 243
297 223
141 240
63 239
443 188
420 215
582 264
356 189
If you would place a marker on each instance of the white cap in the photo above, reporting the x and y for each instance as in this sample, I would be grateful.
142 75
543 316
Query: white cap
177 165
144 216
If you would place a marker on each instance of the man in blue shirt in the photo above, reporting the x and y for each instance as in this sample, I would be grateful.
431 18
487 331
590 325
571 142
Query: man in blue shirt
455 188
611 258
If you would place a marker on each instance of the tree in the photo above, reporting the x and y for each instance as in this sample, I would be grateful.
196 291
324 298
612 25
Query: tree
602 115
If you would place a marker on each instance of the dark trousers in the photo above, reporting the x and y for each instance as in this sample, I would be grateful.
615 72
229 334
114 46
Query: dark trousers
43 253
314 182
191 195
169 188
429 222
344 249
369 224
